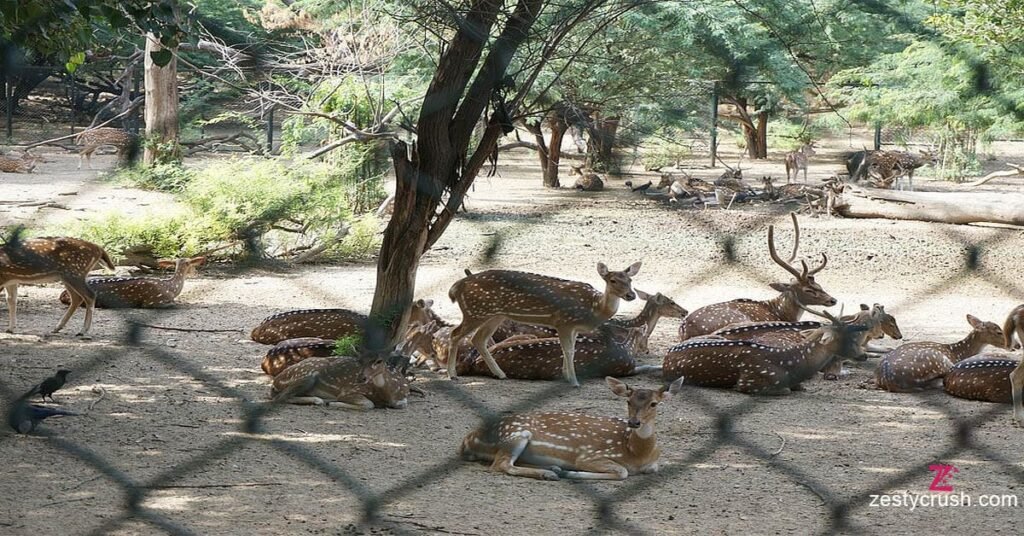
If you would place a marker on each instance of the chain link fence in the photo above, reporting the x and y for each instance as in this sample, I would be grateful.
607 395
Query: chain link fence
606 515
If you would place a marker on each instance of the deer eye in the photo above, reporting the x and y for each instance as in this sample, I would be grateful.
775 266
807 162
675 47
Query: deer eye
654 404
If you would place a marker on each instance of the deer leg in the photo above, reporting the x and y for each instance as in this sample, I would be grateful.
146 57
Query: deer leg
1016 386
88 298
480 341
356 402
76 300
602 469
304 401
12 306
568 340
510 450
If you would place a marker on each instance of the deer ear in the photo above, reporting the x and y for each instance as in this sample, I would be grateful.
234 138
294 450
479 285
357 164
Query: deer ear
781 287
618 387
974 321
602 270
864 307
642 295
633 269
672 388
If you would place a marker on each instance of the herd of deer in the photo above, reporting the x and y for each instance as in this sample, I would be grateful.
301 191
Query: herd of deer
529 326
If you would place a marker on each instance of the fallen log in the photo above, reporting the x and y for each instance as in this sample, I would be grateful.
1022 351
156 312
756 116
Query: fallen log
942 207
1016 171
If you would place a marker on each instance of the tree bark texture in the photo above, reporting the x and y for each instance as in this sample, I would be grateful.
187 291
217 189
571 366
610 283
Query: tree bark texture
942 207
161 106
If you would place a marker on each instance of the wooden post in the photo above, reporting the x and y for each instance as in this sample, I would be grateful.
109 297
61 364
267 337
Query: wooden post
878 136
714 123
270 130
9 104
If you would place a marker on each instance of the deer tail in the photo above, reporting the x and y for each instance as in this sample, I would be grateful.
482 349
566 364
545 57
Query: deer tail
106 261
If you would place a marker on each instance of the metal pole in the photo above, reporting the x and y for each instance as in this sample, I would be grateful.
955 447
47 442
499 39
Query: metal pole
878 136
9 105
270 130
714 123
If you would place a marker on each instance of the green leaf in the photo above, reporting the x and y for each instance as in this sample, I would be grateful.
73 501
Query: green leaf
161 57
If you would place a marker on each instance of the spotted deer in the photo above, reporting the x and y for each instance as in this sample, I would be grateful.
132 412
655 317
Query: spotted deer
802 290
488 298
878 324
797 160
753 367
125 142
588 181
920 365
289 352
325 323
656 307
575 445
609 351
343 382
141 292
982 377
36 261
884 168
23 164
1015 326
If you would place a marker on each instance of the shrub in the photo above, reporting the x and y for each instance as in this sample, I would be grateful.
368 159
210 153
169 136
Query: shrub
659 153
164 177
348 346
169 235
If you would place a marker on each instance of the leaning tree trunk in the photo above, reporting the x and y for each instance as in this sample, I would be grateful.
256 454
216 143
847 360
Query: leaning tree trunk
558 128
161 106
433 175
602 142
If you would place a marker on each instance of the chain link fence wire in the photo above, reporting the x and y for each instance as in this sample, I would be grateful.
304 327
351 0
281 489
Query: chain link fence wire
605 503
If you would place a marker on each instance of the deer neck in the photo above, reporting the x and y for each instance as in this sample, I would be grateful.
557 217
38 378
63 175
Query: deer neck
970 345
177 281
812 356
785 306
647 317
641 441
605 306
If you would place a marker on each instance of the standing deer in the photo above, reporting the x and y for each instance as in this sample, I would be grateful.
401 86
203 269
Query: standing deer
753 367
803 290
488 298
343 382
126 143
574 445
920 365
326 323
797 160
1015 326
48 259
609 351
140 292
656 307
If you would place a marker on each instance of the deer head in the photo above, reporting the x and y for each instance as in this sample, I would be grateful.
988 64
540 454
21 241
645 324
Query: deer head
804 288
642 403
988 333
620 284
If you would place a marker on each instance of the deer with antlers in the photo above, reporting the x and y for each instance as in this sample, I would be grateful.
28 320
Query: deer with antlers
574 445
920 365
48 259
489 298
344 382
753 367
787 306
141 292
326 323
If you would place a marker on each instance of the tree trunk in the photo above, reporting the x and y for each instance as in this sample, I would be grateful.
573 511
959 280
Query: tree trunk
558 129
942 207
161 106
601 143
762 136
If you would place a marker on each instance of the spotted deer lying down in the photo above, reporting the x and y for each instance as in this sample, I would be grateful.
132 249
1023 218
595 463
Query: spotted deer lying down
343 382
921 365
326 323
787 306
609 351
574 445
289 352
982 377
754 367
141 292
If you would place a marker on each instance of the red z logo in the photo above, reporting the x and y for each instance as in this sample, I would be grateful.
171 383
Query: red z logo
942 475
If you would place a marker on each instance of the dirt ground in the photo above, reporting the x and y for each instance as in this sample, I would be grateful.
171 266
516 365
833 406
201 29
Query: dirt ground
182 397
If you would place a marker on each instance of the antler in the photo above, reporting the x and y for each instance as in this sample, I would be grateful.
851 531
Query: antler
796 244
824 262
823 314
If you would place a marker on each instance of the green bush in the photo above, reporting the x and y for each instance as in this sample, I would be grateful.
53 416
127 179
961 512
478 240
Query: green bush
348 346
165 177
659 153
169 235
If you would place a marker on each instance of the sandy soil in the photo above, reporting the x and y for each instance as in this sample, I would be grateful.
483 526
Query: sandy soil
173 415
